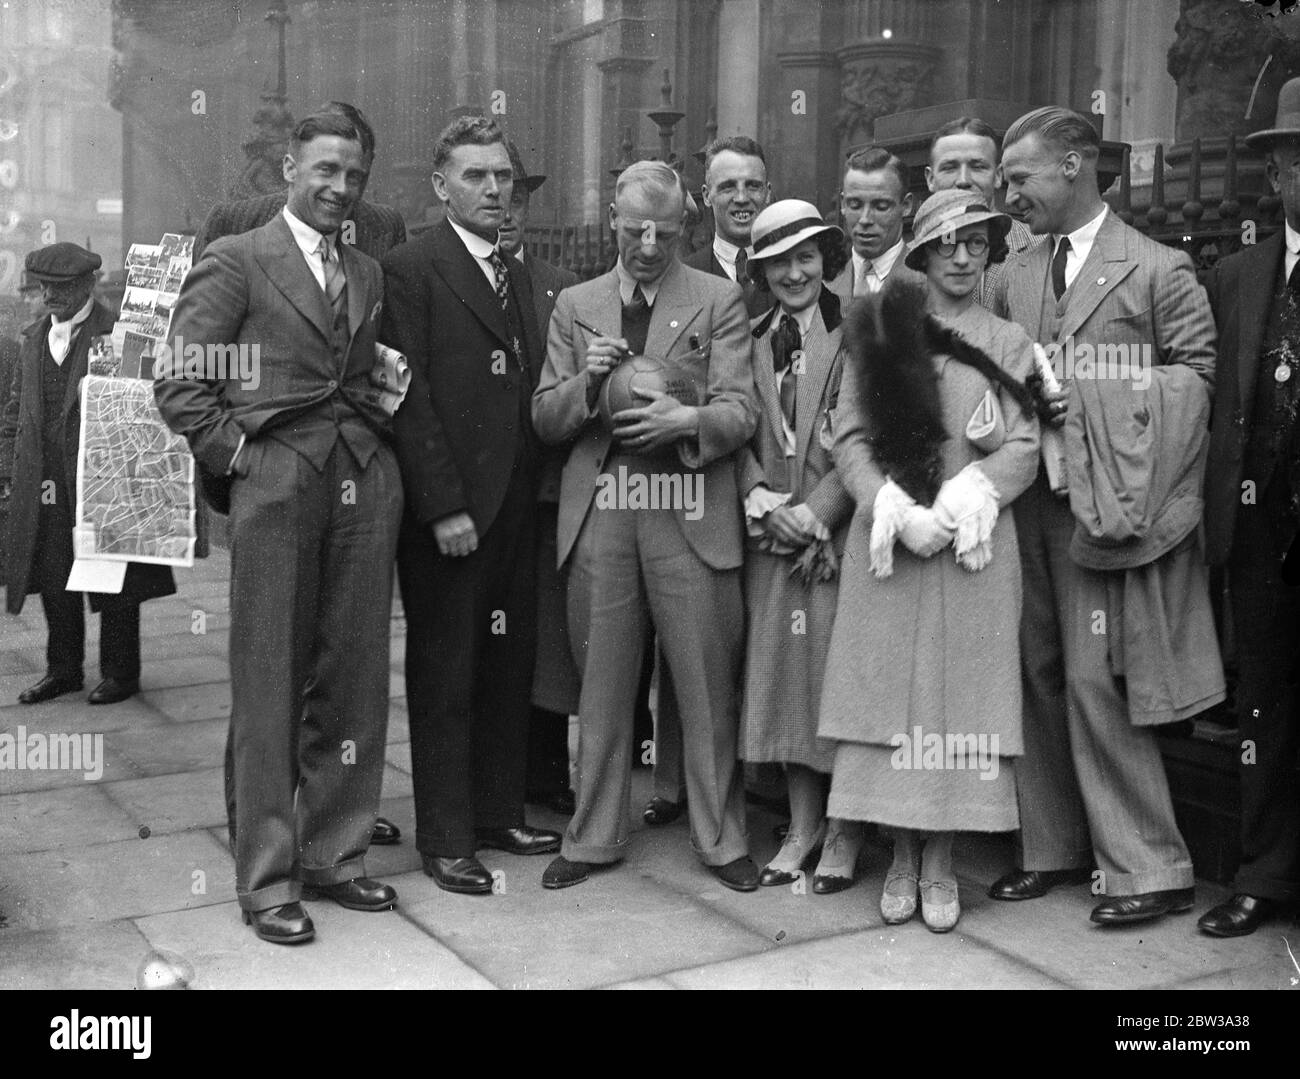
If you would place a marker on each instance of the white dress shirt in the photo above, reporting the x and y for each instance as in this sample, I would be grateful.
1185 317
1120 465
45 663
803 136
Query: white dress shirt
1292 250
1081 241
481 249
59 338
308 241
627 285
875 274
725 252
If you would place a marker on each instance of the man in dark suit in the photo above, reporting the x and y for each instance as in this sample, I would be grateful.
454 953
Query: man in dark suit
315 498
39 431
673 566
463 314
555 679
371 228
736 189
1252 516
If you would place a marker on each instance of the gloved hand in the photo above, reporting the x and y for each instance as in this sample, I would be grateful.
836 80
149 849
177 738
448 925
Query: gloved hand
922 531
968 504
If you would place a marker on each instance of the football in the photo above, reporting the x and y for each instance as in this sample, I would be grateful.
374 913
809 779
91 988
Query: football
618 392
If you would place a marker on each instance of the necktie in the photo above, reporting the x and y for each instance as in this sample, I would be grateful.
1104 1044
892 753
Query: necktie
1293 280
636 321
334 279
863 287
1058 267
785 343
502 279
742 264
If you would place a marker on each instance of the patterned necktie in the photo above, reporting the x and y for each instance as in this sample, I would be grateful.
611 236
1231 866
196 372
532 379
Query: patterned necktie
862 287
742 264
334 279
785 344
502 276
1058 267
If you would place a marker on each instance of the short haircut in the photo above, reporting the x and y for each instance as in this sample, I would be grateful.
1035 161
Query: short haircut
465 131
967 125
737 144
324 122
651 174
874 159
1063 128
835 256
365 132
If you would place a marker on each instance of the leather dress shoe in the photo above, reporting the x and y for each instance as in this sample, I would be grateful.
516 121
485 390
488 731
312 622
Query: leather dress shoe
48 688
562 802
112 690
288 924
519 840
562 873
1126 909
385 833
466 876
359 893
1035 883
661 811
740 874
1237 917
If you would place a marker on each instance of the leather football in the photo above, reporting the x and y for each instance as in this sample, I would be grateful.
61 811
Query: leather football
642 372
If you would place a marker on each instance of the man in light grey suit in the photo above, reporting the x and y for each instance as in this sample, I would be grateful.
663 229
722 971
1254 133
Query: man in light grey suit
675 567
1091 783
301 451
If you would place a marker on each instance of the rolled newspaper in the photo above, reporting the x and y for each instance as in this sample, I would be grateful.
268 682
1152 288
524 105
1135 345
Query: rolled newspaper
390 378
1053 438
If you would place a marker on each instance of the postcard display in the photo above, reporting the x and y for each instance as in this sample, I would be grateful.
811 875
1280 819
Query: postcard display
135 478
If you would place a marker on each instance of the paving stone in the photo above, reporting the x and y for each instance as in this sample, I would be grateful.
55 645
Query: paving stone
188 747
72 713
352 950
104 956
66 816
184 671
84 885
187 704
895 957
172 803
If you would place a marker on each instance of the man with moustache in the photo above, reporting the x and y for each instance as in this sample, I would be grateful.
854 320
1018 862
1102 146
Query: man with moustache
555 679
964 155
1252 516
633 570
462 312
873 201
1091 783
40 429
314 496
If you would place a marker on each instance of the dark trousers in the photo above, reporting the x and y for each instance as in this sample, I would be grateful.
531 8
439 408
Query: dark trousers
310 604
65 616
1266 621
471 634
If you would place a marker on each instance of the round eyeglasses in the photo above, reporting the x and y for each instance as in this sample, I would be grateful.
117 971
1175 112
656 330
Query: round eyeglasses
975 245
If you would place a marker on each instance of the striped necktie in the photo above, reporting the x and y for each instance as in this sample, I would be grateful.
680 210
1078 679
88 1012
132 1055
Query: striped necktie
334 279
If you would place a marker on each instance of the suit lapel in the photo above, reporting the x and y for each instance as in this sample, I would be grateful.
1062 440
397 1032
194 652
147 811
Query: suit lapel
461 271
818 360
277 252
1105 267
1025 289
765 382
1255 287
674 310
358 294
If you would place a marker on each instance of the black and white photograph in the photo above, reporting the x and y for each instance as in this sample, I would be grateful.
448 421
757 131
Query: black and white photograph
944 635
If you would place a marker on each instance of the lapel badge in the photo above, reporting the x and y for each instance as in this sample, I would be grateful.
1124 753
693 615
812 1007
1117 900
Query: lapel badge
551 293
672 325
1101 280
1282 373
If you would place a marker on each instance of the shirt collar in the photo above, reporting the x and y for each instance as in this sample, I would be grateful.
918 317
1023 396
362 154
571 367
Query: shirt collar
477 246
725 250
1081 239
881 264
306 237
519 253
803 319
627 285
83 313
1292 240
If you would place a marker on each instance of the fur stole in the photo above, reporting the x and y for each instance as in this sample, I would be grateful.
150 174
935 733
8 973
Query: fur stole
891 339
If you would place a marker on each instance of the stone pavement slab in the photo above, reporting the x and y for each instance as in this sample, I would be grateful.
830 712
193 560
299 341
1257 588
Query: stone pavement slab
177 802
95 956
66 817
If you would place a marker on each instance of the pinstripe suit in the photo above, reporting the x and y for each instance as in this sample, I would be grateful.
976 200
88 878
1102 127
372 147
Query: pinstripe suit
1091 784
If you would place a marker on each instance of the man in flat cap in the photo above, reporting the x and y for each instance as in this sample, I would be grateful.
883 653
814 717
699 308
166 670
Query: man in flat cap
1252 518
555 677
39 431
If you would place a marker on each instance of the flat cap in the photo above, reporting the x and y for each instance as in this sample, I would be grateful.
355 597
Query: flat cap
61 262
